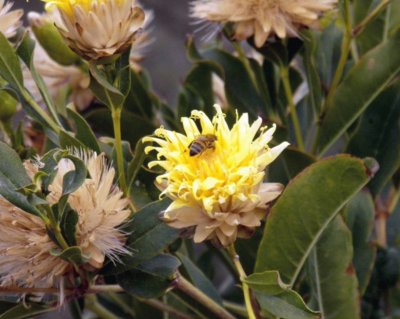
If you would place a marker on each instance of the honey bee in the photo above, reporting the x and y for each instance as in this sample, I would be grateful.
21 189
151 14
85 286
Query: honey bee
202 143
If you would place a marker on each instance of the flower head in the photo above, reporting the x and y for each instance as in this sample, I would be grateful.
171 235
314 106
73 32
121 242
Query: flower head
262 18
100 205
98 28
10 21
220 191
25 247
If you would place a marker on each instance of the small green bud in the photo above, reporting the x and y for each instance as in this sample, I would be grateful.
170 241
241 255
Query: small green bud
8 106
51 40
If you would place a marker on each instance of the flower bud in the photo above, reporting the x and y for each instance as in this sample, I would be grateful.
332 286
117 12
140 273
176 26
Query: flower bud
51 40
8 106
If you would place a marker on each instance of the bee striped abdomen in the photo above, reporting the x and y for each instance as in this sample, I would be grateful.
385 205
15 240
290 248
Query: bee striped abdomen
201 144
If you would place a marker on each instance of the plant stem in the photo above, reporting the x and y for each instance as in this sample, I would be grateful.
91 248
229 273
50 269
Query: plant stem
92 304
246 62
284 71
374 13
124 306
116 118
185 286
346 47
387 22
235 308
55 291
246 290
166 308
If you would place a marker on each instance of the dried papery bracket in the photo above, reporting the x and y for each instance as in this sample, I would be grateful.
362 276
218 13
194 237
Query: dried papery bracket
261 18
99 29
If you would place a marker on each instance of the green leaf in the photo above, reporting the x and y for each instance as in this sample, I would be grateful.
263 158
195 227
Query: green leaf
133 126
149 236
103 89
13 177
72 254
360 87
378 136
74 179
12 168
23 311
304 211
68 225
10 68
288 165
334 283
277 298
67 140
26 52
139 99
360 216
310 63
197 91
83 131
137 162
199 280
152 278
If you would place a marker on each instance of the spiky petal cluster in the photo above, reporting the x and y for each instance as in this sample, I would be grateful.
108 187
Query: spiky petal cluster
10 20
98 28
100 205
262 18
25 247
25 258
219 192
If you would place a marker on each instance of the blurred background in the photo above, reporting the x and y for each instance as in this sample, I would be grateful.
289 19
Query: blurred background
165 58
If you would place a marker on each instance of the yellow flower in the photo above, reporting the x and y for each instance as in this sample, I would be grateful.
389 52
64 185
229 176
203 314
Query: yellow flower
220 191
98 28
10 21
262 18
100 205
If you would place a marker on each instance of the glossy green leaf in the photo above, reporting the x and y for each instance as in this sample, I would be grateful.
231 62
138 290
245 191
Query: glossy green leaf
359 216
334 283
277 298
10 68
83 131
150 279
149 236
360 87
23 311
305 209
378 136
